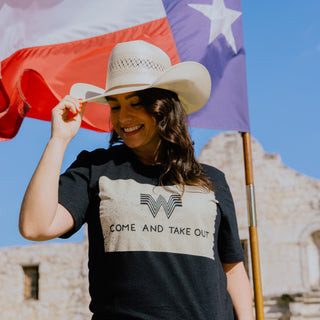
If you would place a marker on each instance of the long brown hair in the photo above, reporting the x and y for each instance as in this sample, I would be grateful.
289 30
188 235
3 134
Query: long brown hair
175 152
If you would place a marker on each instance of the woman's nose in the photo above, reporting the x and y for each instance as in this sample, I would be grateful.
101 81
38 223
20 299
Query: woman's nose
125 115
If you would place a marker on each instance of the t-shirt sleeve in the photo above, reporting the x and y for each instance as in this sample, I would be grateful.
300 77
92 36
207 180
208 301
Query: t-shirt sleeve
229 244
73 191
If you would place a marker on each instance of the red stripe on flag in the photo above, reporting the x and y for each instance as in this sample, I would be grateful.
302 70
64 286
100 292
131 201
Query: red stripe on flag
12 113
45 74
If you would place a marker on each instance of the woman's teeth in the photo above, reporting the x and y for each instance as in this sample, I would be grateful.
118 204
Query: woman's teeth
131 129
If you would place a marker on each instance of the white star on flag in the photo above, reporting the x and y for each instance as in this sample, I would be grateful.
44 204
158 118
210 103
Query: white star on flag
221 20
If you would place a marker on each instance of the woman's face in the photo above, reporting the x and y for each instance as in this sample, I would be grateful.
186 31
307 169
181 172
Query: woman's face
134 125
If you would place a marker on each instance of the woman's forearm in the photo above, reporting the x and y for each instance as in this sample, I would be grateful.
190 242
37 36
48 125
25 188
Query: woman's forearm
239 290
40 202
41 217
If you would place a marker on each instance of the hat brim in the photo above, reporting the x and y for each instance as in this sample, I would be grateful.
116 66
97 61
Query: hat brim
189 80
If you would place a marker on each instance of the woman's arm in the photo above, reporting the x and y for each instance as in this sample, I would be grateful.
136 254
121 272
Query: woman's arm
41 217
239 290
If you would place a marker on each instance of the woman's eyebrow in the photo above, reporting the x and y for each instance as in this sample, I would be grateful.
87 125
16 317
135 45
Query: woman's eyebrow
126 97
131 96
111 99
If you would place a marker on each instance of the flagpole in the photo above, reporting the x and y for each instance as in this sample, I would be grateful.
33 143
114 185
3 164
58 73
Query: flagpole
255 259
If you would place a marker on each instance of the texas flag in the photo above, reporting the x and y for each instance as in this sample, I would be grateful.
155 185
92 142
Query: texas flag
46 46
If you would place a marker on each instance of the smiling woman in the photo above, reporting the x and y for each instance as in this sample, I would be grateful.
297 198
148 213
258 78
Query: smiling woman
134 125
152 124
163 237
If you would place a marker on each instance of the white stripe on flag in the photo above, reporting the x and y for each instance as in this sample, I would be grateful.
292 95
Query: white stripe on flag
29 24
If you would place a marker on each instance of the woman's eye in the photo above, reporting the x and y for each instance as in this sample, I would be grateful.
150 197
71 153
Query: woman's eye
115 108
136 105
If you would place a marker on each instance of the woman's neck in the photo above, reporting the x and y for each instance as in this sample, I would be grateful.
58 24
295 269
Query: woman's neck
147 159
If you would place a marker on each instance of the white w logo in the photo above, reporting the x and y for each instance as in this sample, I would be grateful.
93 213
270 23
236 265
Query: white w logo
155 205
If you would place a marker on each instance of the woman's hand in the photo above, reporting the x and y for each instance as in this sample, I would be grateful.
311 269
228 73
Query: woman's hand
66 118
41 216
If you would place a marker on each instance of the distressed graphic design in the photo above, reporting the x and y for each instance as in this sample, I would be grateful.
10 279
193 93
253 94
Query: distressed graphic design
155 205
142 217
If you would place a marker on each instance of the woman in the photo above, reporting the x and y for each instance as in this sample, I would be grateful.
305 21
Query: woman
163 237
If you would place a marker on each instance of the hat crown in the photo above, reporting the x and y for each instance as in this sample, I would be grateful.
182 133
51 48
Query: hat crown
139 65
135 63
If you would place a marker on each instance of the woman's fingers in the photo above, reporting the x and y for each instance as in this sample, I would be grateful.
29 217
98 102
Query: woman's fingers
82 107
69 103
67 117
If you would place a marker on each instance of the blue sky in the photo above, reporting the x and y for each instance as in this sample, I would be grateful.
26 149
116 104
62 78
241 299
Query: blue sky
282 42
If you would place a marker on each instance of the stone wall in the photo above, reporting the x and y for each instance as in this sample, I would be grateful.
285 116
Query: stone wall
63 284
288 214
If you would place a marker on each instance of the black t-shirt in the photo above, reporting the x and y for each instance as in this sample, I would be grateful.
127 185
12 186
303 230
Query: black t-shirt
152 253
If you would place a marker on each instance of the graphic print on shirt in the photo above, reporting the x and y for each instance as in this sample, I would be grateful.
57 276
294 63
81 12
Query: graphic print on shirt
155 205
143 217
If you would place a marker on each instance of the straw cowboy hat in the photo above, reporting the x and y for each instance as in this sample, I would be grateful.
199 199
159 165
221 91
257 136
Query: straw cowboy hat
139 65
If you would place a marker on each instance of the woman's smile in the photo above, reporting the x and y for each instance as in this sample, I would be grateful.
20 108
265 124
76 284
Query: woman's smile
135 126
132 130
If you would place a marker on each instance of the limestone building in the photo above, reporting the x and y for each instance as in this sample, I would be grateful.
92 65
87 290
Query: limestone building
49 281
44 281
288 214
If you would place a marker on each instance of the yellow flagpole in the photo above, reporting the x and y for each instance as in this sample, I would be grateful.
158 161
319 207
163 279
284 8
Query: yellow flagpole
254 246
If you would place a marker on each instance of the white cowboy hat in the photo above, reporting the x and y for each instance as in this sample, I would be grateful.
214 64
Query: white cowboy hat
139 65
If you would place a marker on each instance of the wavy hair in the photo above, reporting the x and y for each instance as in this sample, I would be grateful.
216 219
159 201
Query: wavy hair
175 152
